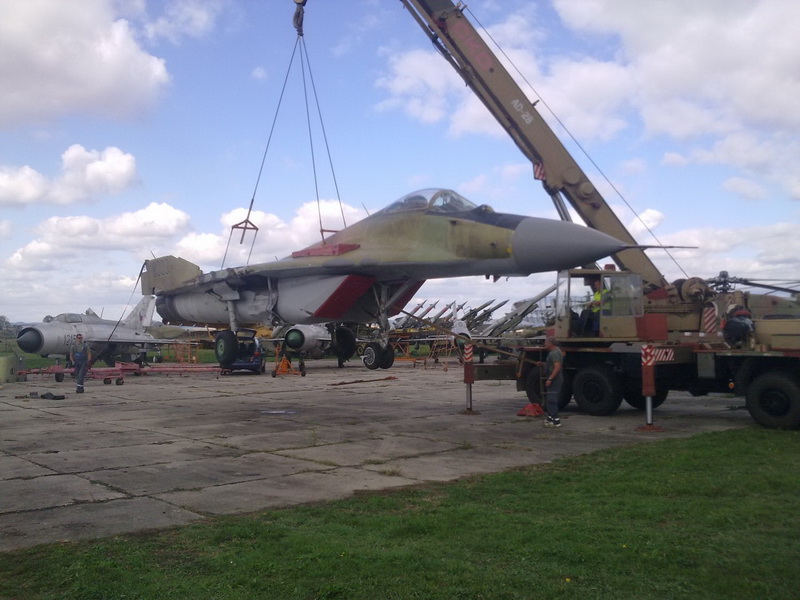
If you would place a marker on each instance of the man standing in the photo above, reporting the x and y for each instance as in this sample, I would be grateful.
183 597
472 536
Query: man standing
555 380
80 356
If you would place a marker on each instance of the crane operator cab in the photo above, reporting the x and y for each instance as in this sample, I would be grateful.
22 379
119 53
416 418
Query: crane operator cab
592 303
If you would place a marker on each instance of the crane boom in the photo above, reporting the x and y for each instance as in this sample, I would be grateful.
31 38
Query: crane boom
462 46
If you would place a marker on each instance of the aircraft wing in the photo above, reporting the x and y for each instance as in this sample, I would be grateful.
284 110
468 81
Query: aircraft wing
130 340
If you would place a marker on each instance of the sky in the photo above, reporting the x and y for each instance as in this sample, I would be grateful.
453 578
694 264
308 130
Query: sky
137 128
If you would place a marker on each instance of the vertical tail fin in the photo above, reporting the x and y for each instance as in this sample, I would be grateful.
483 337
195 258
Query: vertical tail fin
142 314
166 273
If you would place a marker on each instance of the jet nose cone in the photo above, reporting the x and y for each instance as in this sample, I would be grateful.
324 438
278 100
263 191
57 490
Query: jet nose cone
29 340
540 245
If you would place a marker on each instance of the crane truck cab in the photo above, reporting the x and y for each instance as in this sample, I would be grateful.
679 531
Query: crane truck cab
598 303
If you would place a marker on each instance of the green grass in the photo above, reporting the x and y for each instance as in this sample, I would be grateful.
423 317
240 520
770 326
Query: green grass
714 516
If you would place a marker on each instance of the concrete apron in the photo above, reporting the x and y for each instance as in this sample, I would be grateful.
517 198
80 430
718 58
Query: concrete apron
161 451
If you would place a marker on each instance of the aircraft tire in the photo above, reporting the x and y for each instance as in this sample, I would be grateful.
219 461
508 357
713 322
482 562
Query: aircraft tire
226 347
345 343
387 358
372 355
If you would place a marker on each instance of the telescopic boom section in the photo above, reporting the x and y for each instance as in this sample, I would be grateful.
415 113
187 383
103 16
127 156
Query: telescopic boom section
463 47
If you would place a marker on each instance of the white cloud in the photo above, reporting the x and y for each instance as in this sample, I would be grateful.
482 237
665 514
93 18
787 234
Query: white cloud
5 229
648 221
66 242
724 74
747 188
743 252
421 84
181 18
85 174
62 58
21 185
674 159
720 78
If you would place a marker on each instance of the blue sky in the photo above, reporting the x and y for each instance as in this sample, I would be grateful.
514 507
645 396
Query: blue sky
136 128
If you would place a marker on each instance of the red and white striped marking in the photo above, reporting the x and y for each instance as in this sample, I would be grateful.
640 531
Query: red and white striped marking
648 355
652 355
468 353
710 318
664 355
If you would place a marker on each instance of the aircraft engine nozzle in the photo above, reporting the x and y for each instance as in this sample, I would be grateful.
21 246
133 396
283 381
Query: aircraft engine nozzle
295 339
540 245
305 340
30 340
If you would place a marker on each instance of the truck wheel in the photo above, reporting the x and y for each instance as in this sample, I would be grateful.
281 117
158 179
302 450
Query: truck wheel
773 400
533 385
566 392
635 398
597 390
226 347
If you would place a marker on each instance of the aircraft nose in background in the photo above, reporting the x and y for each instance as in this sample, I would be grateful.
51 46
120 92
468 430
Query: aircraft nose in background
30 340
540 245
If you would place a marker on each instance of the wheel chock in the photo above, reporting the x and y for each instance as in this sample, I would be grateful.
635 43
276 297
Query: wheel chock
531 410
285 368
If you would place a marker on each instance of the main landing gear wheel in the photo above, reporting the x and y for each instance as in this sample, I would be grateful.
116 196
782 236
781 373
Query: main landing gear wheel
372 355
377 357
387 360
226 347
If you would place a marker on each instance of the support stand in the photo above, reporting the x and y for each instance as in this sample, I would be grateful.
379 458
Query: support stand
469 379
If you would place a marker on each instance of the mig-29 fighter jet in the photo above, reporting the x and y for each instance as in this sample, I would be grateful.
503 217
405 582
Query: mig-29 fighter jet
367 272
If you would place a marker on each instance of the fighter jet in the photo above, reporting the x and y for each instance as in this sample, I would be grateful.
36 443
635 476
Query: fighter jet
367 272
107 338
313 341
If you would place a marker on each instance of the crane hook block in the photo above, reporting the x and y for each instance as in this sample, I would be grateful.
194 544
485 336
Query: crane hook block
297 20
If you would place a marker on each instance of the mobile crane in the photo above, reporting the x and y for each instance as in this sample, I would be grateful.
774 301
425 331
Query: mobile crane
706 340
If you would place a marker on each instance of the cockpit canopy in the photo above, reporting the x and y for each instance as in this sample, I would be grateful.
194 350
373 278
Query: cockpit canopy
69 318
431 201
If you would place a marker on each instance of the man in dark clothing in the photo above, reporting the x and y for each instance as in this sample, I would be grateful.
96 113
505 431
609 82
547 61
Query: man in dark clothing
80 356
555 380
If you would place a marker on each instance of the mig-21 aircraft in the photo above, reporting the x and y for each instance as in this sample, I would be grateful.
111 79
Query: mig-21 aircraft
369 271
107 338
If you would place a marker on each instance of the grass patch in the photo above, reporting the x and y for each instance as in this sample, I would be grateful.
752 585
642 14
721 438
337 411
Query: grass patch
713 516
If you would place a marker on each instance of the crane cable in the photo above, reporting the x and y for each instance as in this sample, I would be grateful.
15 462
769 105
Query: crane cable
304 60
297 21
577 143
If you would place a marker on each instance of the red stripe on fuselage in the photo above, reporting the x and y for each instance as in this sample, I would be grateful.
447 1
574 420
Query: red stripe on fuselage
395 308
343 297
